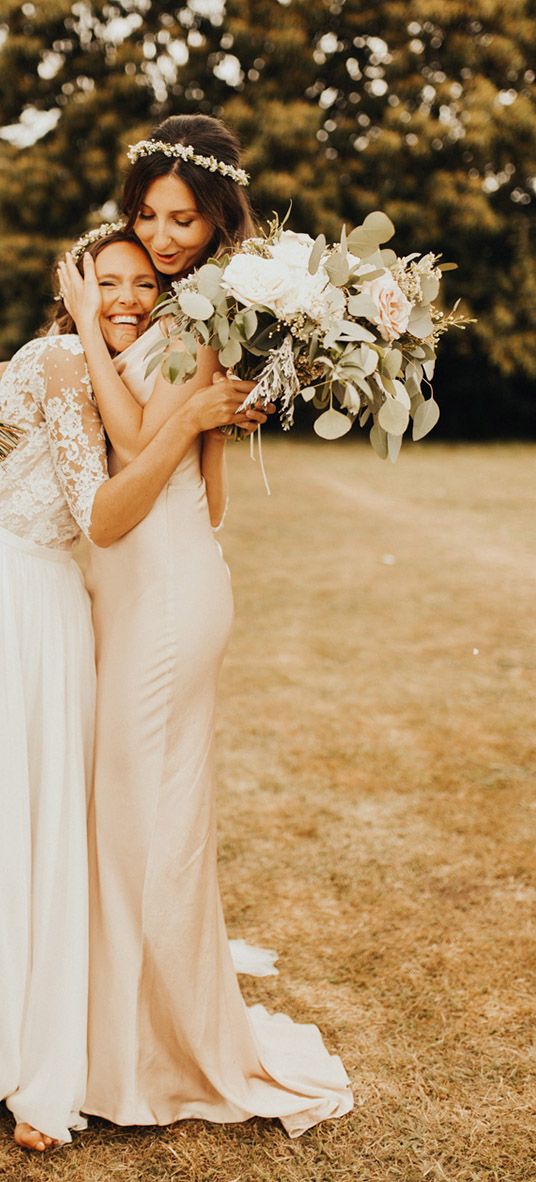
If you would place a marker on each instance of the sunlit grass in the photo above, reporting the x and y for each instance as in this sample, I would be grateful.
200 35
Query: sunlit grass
378 814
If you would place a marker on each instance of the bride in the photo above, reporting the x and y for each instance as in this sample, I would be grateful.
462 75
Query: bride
170 1036
53 485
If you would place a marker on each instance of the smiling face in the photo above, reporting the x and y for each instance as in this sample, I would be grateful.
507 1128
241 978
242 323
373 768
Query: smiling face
170 226
129 291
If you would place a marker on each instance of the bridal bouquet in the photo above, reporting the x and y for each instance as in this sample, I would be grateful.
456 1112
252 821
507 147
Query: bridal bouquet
351 327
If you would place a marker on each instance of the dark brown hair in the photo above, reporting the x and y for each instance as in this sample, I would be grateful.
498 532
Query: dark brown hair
218 198
62 321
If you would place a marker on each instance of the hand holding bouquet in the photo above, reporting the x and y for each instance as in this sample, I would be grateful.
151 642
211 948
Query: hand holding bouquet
351 327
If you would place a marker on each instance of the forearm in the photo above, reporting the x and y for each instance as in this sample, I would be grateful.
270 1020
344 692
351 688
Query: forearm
214 471
124 500
120 412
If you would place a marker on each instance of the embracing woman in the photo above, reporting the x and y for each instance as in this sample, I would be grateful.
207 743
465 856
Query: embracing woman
170 1036
53 485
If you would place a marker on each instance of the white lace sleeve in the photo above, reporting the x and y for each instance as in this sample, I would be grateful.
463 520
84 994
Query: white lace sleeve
75 430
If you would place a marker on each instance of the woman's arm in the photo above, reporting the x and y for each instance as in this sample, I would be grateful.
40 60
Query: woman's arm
105 508
214 472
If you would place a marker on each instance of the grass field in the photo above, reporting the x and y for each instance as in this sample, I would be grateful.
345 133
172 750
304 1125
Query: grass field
378 815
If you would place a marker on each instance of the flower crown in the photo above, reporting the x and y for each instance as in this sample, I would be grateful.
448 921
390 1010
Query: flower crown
188 153
92 236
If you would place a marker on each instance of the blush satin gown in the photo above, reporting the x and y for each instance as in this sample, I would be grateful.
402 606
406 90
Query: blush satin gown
170 1036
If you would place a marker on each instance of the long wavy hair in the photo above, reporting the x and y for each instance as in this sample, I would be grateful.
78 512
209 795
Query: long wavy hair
218 198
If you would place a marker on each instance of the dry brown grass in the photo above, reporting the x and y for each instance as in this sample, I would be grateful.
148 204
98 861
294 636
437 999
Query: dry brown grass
378 815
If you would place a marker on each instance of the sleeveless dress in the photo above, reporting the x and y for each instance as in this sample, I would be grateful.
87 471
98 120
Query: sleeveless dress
47 700
170 1036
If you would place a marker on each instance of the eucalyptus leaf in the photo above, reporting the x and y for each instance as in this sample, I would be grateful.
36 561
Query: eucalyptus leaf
420 322
364 416
317 251
429 367
208 279
392 362
250 322
231 354
337 268
350 330
308 393
401 393
388 257
393 417
429 288
362 305
221 326
425 418
378 439
197 306
369 360
332 424
352 399
394 443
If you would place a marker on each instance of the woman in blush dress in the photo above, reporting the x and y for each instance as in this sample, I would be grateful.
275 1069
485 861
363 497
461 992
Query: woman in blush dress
170 1036
54 484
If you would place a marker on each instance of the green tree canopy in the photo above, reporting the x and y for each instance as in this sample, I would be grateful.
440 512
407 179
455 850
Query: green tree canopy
426 111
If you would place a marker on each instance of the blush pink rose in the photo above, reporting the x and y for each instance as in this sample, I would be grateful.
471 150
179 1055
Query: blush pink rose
394 309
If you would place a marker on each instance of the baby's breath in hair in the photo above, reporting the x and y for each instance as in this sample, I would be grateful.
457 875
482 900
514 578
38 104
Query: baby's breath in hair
188 153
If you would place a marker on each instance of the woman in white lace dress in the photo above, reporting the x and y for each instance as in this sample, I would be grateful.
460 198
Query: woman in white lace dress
53 485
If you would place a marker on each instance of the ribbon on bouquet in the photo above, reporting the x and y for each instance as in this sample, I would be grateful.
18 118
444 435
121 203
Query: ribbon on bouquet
10 436
278 383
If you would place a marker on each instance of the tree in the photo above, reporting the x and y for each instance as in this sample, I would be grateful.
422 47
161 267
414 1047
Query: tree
342 107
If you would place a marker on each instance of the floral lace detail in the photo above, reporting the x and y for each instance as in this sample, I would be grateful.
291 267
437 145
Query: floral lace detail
49 481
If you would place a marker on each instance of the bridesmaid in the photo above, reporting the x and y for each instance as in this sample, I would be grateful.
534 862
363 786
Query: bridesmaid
169 1034
53 485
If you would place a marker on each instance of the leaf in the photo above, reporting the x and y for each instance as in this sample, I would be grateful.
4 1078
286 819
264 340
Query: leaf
369 360
352 399
378 439
317 251
420 322
376 229
196 306
208 280
231 354
250 322
425 419
393 417
362 305
349 330
221 326
429 367
394 443
308 393
337 268
155 361
364 416
332 424
401 393
389 257
429 288
392 362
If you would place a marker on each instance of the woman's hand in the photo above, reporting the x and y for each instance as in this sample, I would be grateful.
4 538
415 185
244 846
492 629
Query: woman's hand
81 295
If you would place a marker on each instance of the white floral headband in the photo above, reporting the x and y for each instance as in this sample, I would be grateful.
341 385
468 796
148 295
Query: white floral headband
92 236
188 153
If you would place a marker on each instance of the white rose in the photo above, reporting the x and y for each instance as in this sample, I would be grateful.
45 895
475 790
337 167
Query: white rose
394 309
252 279
294 250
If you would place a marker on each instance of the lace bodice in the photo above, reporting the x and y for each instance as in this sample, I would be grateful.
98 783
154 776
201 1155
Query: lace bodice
48 483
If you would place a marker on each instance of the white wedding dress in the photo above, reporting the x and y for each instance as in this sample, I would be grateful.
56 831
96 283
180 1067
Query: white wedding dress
47 692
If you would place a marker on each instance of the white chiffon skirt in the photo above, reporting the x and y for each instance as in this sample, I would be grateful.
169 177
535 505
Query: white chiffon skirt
47 701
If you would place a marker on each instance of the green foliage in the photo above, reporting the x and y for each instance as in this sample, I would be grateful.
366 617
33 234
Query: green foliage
426 111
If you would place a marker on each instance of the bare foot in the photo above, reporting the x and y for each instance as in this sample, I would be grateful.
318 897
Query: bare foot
29 1138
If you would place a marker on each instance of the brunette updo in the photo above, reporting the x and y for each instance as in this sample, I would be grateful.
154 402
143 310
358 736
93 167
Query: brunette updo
218 198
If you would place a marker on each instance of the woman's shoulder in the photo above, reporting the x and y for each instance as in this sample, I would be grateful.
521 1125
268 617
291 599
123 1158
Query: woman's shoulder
53 344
